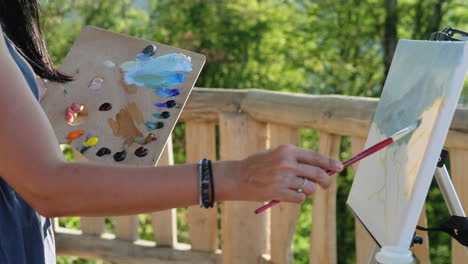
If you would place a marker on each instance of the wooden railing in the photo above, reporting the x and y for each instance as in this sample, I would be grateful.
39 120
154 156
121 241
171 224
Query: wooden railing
250 121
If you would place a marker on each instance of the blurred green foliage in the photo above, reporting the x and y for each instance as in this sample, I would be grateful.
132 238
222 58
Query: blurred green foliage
318 47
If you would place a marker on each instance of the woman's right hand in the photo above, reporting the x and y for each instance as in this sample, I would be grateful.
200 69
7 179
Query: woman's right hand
277 174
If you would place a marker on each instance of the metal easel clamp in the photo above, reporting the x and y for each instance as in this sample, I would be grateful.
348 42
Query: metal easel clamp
448 35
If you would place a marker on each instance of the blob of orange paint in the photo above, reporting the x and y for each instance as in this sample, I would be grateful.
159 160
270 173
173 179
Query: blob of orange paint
74 135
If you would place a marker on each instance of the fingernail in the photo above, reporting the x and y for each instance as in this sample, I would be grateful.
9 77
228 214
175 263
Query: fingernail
339 166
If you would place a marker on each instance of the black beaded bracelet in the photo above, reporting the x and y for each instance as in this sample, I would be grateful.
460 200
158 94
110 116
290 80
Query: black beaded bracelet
206 186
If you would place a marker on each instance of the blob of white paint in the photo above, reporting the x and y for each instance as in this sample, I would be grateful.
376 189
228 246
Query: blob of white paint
109 64
96 83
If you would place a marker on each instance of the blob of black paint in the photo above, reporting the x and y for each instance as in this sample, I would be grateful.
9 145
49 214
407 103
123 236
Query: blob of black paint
141 152
119 156
149 50
103 151
165 114
105 107
170 103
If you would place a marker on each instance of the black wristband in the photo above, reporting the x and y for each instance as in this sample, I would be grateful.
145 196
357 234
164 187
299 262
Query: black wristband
206 186
211 183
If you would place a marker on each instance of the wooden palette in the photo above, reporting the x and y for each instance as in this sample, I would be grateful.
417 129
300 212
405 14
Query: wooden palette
122 128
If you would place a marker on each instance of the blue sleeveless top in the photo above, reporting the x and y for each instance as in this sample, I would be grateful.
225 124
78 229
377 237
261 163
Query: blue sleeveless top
25 236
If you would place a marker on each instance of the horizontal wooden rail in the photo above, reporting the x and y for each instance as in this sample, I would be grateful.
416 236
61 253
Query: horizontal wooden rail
335 114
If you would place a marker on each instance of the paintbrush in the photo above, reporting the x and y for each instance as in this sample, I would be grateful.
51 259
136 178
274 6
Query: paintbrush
360 156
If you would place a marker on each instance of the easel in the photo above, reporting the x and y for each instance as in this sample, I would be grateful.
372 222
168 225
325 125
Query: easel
441 173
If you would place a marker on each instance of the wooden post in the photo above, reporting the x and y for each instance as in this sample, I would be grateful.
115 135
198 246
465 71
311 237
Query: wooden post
459 167
364 241
200 142
244 234
284 216
89 225
323 236
165 222
126 227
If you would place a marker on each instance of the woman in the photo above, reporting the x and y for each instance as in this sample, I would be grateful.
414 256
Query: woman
36 182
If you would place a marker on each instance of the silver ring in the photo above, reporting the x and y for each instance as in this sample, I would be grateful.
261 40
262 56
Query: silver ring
300 190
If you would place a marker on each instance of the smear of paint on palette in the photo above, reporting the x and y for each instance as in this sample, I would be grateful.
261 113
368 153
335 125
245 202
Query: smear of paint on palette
91 142
105 107
88 144
166 92
74 135
74 112
141 152
147 52
96 83
163 115
157 73
168 104
154 125
119 156
109 64
103 151
143 141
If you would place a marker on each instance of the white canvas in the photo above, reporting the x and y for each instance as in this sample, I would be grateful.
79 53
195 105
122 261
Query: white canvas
424 83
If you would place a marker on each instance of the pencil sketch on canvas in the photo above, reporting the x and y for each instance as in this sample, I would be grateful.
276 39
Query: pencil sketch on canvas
423 85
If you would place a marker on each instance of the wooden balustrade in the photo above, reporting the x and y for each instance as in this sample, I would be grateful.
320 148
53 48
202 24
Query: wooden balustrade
250 121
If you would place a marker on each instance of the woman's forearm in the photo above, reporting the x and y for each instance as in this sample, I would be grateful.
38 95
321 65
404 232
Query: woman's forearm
87 189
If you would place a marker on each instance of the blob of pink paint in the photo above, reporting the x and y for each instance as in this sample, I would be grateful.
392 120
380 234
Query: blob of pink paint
77 107
96 83
70 117
72 112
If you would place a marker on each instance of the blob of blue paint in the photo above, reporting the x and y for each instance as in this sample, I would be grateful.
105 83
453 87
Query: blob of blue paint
168 104
154 125
166 92
156 81
139 140
163 115
84 149
160 72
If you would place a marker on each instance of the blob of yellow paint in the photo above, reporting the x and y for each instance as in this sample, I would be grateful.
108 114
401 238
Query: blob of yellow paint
91 142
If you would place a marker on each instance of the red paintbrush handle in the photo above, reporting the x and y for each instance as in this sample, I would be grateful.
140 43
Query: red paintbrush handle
368 151
266 206
365 153
351 161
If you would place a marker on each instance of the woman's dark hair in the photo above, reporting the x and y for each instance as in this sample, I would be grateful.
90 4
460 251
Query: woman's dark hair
20 23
